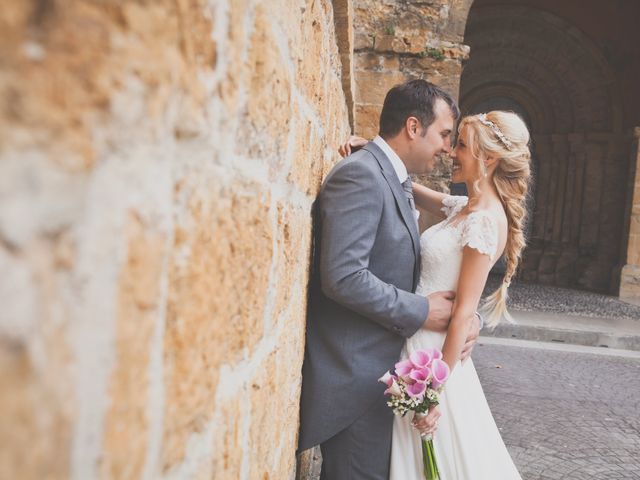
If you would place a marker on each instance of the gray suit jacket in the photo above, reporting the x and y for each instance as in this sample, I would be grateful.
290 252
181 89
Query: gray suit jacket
361 302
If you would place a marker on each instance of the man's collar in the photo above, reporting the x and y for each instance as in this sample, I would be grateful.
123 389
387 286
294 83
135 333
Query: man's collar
396 163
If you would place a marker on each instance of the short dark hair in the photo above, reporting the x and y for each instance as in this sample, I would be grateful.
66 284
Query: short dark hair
415 98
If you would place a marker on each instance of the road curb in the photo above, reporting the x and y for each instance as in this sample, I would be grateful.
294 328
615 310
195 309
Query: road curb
569 336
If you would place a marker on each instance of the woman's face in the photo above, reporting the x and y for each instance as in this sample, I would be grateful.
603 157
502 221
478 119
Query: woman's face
465 167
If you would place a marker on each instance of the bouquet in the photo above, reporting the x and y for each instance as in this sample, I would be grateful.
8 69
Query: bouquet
414 385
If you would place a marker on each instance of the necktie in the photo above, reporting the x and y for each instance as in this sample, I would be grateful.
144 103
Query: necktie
408 191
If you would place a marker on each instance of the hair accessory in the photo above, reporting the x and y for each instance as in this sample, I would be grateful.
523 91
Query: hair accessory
496 131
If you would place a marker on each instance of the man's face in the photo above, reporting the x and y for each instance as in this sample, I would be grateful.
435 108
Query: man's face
436 141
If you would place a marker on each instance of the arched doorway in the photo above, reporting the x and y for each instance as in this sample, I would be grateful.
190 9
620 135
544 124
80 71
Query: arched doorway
537 63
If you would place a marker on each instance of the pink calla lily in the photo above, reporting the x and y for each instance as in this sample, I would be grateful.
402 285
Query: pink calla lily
387 379
394 389
435 353
417 390
421 358
440 371
404 368
421 374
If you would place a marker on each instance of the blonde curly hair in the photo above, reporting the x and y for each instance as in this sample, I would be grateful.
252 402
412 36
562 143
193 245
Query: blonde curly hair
505 137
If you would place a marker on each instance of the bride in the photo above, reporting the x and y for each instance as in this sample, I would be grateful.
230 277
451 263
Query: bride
492 158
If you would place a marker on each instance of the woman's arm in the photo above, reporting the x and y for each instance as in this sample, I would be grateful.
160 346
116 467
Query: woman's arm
429 199
473 276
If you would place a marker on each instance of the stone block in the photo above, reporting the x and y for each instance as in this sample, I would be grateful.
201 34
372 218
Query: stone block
229 443
217 296
275 394
126 422
314 79
269 97
37 399
372 87
374 62
293 260
367 120
633 249
630 282
36 431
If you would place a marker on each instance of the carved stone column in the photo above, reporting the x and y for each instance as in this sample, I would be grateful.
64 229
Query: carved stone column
630 277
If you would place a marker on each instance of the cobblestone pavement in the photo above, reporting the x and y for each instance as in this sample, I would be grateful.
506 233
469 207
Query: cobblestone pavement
564 415
543 298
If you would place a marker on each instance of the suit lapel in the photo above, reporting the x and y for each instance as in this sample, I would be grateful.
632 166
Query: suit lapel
401 200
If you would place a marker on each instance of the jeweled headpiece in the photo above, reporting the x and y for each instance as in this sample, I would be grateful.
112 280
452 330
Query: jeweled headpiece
495 129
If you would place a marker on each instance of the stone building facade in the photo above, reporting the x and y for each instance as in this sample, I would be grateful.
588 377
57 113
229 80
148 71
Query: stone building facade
570 75
573 79
158 164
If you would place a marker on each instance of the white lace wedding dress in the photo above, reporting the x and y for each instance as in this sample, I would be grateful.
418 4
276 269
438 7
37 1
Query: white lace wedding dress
467 444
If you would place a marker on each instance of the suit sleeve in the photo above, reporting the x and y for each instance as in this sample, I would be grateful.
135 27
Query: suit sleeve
351 207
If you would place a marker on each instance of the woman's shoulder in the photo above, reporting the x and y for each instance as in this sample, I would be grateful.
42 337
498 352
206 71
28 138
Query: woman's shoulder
482 229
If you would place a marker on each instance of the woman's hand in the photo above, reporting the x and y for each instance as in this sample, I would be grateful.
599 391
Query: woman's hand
472 338
427 424
352 145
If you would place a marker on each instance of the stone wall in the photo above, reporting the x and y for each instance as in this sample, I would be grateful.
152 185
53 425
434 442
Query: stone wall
399 40
158 163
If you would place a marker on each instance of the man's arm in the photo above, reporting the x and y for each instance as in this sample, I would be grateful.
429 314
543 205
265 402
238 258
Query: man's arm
351 208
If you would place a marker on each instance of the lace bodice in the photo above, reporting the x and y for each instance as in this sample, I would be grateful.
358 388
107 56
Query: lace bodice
442 244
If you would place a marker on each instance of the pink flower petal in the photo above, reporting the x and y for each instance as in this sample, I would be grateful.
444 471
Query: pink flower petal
404 368
417 390
437 354
440 371
421 375
394 389
421 358
387 379
434 353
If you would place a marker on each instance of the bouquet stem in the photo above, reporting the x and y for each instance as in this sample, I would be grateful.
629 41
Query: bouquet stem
429 459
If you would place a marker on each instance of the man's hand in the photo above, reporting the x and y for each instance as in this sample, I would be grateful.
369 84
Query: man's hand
474 333
440 306
352 145
427 424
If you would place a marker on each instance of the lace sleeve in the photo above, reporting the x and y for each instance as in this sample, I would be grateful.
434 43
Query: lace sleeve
480 232
452 204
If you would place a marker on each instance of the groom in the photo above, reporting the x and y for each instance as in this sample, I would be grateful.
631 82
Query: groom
366 268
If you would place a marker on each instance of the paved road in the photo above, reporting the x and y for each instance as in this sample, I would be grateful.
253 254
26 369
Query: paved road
570 413
564 414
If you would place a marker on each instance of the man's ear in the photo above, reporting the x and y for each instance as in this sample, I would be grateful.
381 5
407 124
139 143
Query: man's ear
413 126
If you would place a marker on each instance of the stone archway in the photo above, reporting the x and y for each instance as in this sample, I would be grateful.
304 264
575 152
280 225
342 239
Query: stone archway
540 65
